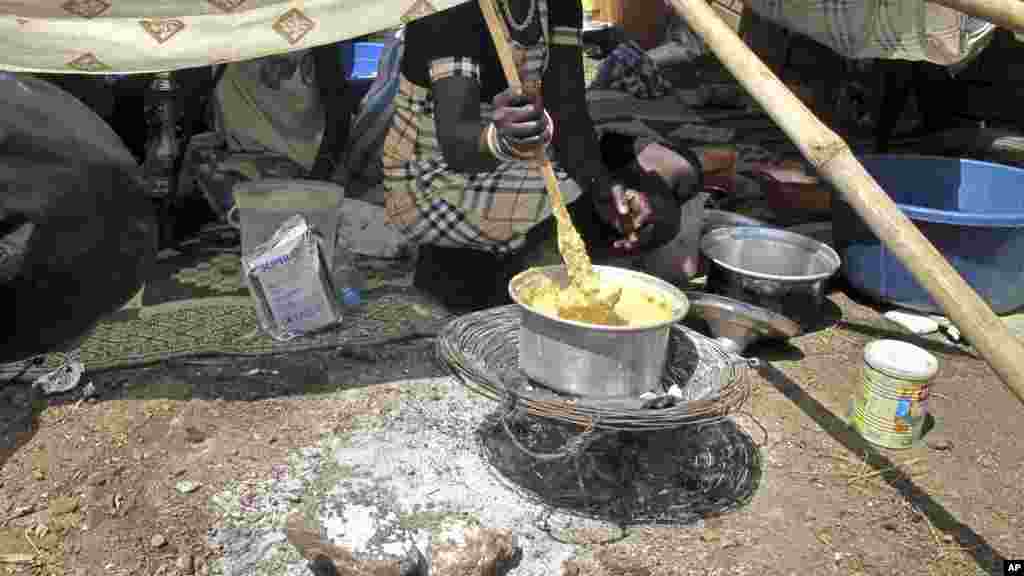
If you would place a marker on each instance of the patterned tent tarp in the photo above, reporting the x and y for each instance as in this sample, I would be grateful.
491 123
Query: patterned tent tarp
137 36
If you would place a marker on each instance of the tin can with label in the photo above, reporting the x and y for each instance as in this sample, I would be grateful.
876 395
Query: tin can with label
890 404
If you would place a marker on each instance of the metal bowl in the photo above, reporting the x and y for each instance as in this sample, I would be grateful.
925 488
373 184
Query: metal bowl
736 325
775 269
714 219
590 359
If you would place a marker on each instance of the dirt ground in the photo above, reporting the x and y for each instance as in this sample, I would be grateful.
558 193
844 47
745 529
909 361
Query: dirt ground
119 484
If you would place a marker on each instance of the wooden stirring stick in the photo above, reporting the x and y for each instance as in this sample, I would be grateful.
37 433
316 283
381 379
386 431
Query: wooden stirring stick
570 244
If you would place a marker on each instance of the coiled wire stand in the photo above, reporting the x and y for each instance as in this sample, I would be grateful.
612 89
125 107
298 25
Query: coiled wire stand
626 461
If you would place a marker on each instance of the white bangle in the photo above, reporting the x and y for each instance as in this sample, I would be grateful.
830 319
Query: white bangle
549 133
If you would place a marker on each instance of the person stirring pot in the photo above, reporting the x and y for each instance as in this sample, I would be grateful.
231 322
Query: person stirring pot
457 160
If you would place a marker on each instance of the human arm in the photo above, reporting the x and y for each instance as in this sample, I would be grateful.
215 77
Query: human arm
518 128
446 50
577 148
457 120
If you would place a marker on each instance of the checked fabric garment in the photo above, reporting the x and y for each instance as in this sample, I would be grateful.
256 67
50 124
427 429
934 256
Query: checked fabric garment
629 69
432 204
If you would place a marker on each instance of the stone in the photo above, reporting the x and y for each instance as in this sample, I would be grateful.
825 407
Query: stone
158 541
21 511
63 505
194 435
187 486
710 535
185 564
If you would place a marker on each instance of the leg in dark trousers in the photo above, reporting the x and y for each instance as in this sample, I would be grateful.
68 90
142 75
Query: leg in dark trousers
897 79
940 98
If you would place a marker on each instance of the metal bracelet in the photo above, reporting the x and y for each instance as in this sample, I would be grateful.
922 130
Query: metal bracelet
509 150
549 133
512 150
494 144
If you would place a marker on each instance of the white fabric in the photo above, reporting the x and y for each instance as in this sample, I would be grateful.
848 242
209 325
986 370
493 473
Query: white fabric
132 36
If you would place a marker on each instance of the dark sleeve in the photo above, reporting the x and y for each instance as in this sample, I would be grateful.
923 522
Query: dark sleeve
576 145
444 44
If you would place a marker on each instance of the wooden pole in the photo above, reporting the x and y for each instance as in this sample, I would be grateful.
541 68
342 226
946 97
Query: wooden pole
503 46
831 156
1006 13
570 243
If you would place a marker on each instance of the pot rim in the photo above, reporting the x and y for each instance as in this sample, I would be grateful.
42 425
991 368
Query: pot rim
724 233
677 296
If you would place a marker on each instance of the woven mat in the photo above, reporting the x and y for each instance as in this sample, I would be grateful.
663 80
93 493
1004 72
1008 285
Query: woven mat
197 304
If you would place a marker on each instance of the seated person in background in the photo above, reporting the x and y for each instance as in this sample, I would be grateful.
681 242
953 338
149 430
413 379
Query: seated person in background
456 158
76 230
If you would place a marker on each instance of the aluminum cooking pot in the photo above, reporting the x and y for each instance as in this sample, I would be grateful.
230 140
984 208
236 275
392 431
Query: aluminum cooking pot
588 359
775 269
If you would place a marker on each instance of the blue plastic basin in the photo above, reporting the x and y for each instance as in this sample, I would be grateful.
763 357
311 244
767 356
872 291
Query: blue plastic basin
972 211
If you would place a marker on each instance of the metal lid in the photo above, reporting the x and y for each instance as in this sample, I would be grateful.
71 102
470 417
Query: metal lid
901 359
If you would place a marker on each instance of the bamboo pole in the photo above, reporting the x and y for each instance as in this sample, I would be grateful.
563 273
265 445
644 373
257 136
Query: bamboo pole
831 156
1006 13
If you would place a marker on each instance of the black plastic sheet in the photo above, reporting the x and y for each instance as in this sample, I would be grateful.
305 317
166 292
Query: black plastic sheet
76 230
